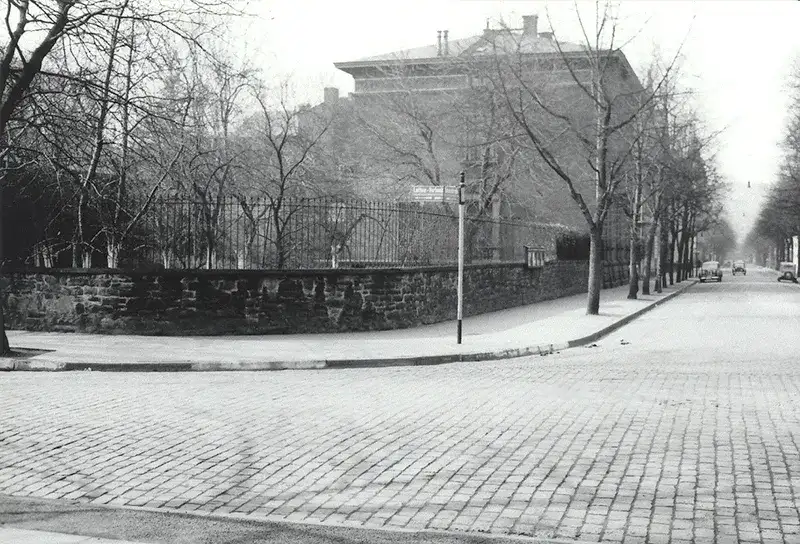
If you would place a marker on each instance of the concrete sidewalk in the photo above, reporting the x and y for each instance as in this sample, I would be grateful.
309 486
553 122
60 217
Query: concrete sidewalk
11 535
537 328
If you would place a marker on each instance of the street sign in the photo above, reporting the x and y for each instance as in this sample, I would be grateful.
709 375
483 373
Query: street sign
431 193
450 193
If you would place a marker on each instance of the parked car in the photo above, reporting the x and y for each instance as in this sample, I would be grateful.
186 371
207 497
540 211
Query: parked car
787 272
739 266
710 270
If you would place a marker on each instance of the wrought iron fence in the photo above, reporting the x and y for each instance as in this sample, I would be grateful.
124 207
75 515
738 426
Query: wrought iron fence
239 233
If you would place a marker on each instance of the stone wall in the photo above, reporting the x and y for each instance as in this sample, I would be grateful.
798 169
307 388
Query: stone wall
272 302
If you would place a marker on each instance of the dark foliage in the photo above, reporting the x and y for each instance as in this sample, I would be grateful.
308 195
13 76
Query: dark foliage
573 246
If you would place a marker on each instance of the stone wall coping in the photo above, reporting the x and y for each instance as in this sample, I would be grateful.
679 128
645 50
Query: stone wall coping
182 272
252 272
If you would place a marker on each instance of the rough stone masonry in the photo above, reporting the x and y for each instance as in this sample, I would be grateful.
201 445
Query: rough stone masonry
209 302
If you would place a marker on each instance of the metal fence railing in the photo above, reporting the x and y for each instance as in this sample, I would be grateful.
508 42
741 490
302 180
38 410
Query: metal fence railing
238 233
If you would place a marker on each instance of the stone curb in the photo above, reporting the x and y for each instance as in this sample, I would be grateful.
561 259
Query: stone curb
108 511
188 366
628 318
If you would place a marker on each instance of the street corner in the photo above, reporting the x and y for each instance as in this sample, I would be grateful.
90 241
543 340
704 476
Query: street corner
26 359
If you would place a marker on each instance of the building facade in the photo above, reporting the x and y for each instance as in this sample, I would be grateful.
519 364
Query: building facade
422 115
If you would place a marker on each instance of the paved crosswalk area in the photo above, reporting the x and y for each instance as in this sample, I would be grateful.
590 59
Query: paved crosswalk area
616 450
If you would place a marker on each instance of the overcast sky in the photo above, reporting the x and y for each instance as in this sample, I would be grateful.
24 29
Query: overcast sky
737 54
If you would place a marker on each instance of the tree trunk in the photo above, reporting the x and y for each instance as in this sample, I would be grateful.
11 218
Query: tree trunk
687 258
683 241
279 255
659 251
690 260
633 261
76 252
209 251
595 270
78 257
496 235
5 348
112 254
633 255
672 242
686 237
648 256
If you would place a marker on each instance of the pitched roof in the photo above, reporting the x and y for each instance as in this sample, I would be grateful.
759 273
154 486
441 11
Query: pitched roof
482 44
457 47
519 42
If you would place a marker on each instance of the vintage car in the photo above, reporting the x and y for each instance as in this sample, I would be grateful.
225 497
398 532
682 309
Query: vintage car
787 272
738 266
710 270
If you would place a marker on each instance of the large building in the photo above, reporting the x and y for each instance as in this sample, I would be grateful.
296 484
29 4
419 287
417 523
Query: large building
422 115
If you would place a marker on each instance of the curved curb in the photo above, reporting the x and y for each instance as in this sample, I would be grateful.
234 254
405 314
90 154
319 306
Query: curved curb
512 353
52 516
627 319
32 365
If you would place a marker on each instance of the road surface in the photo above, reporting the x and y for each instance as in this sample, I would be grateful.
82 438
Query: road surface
680 427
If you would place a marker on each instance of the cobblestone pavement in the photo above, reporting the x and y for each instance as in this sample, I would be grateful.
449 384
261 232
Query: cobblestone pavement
682 427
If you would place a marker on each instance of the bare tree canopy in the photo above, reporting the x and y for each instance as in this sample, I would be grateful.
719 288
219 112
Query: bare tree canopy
577 107
79 80
779 217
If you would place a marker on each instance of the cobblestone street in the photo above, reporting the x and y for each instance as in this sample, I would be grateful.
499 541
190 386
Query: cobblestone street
678 436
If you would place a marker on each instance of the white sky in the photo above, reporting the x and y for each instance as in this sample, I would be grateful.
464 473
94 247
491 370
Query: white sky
737 54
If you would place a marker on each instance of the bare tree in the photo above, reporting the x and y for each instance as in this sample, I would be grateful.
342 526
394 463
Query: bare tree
147 112
580 101
217 112
17 71
642 167
410 136
779 217
404 136
651 168
35 27
282 140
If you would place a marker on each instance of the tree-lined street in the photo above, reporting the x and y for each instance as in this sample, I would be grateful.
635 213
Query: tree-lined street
680 427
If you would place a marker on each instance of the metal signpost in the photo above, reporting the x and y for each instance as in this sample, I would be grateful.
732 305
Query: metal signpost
461 202
449 193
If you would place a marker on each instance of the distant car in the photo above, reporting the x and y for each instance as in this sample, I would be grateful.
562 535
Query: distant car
710 270
739 266
787 272
727 264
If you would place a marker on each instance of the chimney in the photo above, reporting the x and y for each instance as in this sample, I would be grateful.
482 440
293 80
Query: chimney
446 44
529 25
439 43
331 95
